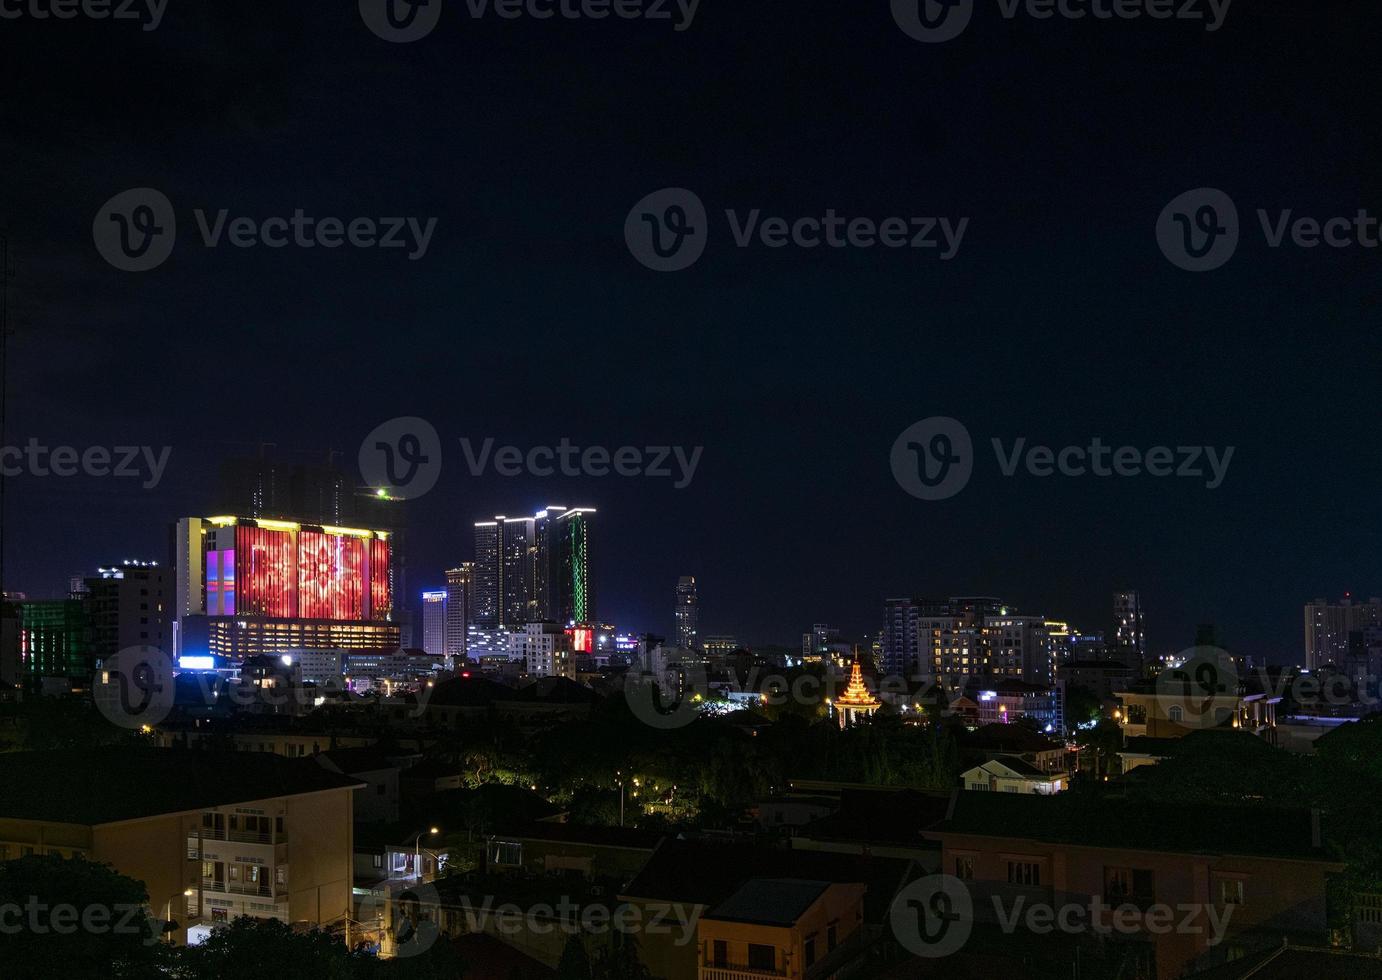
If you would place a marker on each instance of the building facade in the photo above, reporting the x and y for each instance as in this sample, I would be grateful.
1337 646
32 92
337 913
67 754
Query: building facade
434 622
1328 625
687 613
460 582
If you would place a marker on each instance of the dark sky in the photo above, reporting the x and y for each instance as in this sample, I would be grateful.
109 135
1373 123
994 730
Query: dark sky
528 319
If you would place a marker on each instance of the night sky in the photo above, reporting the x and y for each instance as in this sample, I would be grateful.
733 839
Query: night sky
528 319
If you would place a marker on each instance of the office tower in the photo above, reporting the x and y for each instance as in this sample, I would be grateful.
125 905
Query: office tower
459 583
254 586
503 572
534 569
1328 625
687 613
434 606
128 605
1129 636
570 597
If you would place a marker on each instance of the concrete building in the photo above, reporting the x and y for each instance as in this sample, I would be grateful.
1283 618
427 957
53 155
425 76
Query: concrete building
212 835
1328 625
782 927
434 622
547 651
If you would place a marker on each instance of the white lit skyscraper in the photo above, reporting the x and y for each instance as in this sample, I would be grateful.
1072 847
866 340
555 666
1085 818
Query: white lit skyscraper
687 614
434 622
459 588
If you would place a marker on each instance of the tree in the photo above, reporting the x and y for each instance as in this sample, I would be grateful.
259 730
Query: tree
575 962
77 919
620 962
249 949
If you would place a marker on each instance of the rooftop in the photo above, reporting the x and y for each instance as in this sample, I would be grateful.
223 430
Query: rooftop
105 785
1097 820
769 901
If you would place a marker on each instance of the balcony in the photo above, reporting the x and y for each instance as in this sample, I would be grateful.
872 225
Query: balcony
738 973
260 889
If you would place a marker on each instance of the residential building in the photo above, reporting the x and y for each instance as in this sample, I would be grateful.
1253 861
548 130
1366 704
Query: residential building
1129 630
1011 774
212 835
1262 873
1328 625
782 927
547 651
128 605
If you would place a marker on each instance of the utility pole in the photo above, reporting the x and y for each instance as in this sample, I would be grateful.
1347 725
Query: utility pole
4 381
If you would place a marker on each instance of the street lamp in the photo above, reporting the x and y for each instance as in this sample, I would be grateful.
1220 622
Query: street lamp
417 849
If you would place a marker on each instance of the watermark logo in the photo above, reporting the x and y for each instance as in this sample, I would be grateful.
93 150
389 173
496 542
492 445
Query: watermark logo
401 21
1201 691
641 693
402 914
570 918
1198 231
136 229
933 21
135 688
677 463
667 231
933 459
402 456
148 12
933 916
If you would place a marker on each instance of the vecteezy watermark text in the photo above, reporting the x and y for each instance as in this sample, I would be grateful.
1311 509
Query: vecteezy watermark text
1200 230
149 12
135 231
934 459
64 919
668 231
401 21
935 916
568 459
144 463
935 21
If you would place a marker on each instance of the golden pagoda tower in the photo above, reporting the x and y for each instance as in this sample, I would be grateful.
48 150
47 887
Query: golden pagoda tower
856 702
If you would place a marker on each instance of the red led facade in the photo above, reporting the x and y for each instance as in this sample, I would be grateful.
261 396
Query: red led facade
265 572
282 573
380 590
331 576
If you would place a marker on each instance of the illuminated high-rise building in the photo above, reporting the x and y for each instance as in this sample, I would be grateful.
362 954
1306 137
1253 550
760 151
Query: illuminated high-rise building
253 586
460 582
687 613
434 622
128 605
533 569
1129 630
